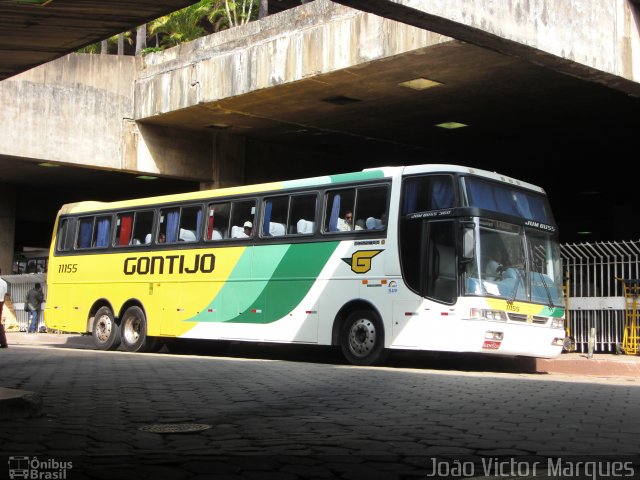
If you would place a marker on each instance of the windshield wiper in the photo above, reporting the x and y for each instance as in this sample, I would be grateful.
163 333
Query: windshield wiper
544 282
515 287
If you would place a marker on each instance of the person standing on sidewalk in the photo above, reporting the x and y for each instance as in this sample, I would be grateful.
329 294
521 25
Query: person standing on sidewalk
3 292
35 297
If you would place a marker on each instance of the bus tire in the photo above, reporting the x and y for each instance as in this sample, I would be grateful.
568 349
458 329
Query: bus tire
133 327
105 331
362 338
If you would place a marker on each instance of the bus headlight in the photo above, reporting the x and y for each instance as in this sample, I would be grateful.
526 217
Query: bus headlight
485 314
557 323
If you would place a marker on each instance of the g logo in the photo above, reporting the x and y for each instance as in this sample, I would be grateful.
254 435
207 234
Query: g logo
360 261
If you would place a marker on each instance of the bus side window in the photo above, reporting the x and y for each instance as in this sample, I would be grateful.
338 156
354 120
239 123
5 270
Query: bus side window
65 235
190 222
217 221
102 231
276 212
168 226
427 192
338 207
371 208
142 227
303 214
124 225
85 231
242 211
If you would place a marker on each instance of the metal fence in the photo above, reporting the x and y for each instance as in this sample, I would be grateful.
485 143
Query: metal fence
595 295
17 288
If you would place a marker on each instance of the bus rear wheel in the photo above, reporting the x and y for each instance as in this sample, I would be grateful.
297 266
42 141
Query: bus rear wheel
362 338
105 332
134 332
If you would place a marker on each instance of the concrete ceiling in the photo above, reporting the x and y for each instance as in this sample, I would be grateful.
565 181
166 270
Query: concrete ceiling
575 138
33 34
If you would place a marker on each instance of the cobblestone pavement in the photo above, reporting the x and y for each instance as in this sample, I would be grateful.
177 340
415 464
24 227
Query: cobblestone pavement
285 418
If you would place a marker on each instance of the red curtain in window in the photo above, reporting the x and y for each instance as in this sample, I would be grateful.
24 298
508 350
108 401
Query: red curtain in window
125 229
210 225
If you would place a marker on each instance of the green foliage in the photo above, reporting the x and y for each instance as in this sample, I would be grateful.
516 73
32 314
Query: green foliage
197 20
93 48
144 51
112 44
181 26
229 13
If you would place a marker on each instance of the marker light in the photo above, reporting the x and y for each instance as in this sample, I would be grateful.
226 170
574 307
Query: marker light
489 335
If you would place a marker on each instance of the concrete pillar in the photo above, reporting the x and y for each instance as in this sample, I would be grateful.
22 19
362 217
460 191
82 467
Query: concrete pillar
7 226
228 162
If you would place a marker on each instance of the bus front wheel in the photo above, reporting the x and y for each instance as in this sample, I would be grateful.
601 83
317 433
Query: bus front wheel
106 332
134 332
362 338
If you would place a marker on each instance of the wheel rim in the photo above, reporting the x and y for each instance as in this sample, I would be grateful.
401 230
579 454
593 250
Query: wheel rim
362 337
104 327
131 331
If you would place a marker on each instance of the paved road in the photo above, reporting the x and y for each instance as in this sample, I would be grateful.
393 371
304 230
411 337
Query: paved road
284 418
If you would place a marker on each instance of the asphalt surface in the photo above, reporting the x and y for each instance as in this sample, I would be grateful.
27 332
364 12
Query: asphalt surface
292 412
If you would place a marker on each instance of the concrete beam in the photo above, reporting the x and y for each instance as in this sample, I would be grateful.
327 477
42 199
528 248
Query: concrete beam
78 110
299 44
595 41
69 110
166 151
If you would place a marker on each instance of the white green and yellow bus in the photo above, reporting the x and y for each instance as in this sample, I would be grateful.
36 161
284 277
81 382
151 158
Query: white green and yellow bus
386 258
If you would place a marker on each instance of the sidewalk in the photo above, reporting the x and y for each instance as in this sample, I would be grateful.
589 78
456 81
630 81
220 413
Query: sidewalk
25 403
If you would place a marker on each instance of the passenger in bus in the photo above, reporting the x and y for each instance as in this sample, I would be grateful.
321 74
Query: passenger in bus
346 225
162 238
494 268
245 233
374 223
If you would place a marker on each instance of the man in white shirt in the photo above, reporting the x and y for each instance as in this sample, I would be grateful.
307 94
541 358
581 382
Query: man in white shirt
346 225
494 267
3 292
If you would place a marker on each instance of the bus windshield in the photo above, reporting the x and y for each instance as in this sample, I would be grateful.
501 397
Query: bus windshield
516 264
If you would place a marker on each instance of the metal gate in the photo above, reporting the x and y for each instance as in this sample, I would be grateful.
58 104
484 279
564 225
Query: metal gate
17 288
595 296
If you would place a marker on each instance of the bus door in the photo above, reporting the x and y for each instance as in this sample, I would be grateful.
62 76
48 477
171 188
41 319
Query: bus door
429 268
438 277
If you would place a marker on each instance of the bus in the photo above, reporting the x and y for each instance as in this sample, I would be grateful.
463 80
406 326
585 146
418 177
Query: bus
370 261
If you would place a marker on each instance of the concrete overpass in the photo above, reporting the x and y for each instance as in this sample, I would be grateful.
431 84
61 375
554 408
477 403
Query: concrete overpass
326 88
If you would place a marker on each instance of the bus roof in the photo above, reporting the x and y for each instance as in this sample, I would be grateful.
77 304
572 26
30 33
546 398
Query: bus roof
369 174
436 168
364 175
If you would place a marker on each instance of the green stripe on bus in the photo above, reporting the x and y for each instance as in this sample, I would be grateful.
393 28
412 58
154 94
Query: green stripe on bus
281 278
554 312
357 176
293 278
329 179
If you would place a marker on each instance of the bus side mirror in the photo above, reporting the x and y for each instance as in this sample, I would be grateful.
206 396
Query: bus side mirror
468 243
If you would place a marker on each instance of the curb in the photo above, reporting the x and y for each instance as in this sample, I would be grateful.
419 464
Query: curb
616 366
